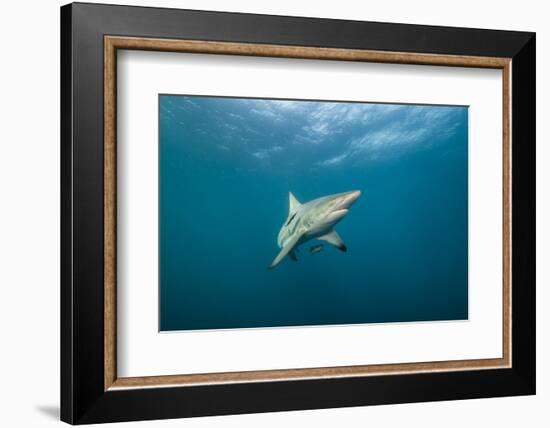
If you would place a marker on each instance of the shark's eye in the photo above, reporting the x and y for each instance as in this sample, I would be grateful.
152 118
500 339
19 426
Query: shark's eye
290 219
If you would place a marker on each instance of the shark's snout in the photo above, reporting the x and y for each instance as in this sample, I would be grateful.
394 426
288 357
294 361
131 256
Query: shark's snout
340 209
348 199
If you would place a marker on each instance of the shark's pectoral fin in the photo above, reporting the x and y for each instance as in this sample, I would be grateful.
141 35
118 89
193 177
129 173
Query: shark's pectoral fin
334 239
292 255
289 247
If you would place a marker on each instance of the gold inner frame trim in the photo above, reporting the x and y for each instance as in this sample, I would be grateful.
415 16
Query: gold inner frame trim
113 43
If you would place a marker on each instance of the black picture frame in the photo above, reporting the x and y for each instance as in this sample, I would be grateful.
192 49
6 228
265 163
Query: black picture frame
83 396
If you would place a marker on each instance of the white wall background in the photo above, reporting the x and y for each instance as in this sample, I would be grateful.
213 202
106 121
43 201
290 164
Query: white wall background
29 213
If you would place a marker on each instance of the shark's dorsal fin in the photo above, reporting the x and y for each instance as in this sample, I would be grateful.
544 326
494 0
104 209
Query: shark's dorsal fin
293 203
333 238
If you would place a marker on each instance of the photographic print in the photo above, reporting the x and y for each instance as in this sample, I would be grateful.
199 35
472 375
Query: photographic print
281 213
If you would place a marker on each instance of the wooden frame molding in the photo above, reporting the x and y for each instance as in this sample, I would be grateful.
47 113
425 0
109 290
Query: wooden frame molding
113 43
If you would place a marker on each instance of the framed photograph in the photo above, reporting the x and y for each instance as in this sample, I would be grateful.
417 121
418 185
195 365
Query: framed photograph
265 213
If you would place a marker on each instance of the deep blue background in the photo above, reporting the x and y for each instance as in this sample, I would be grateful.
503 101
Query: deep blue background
226 167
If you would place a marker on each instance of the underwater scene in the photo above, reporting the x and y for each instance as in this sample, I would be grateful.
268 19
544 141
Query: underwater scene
280 213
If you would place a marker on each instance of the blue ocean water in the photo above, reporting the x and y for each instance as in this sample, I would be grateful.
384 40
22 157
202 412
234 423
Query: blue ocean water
226 168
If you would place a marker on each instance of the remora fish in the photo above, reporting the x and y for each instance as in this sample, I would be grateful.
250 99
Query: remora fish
316 248
313 220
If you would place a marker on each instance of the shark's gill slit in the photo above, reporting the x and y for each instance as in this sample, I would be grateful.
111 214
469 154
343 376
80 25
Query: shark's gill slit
291 218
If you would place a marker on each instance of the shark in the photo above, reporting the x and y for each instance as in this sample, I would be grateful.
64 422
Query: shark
313 220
